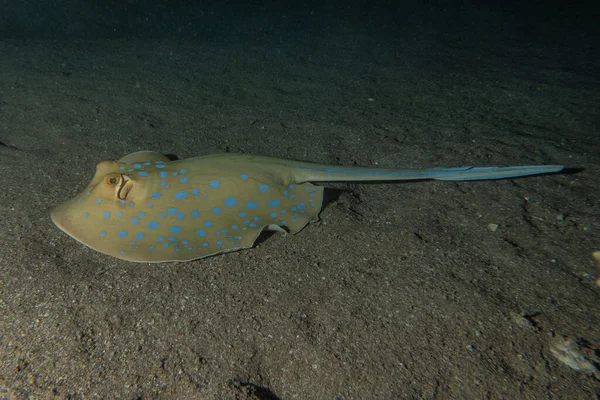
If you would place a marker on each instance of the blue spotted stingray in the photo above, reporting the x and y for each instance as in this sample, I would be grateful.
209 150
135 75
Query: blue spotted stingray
146 208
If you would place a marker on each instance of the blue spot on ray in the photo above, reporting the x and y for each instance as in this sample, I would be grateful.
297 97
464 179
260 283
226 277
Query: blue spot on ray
181 195
153 225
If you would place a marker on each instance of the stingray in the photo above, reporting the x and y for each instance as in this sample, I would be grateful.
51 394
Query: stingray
146 208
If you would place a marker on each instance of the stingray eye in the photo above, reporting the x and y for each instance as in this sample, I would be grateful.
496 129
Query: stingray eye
112 180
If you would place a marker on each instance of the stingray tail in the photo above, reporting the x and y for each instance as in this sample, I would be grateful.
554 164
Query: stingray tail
321 173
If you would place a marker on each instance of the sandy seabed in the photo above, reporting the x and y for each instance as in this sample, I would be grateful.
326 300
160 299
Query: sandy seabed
402 290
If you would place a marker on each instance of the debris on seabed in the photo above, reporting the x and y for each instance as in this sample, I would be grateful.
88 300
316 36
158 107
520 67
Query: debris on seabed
492 227
570 353
596 256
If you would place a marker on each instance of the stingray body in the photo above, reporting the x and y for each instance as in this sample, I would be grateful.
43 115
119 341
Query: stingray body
145 208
